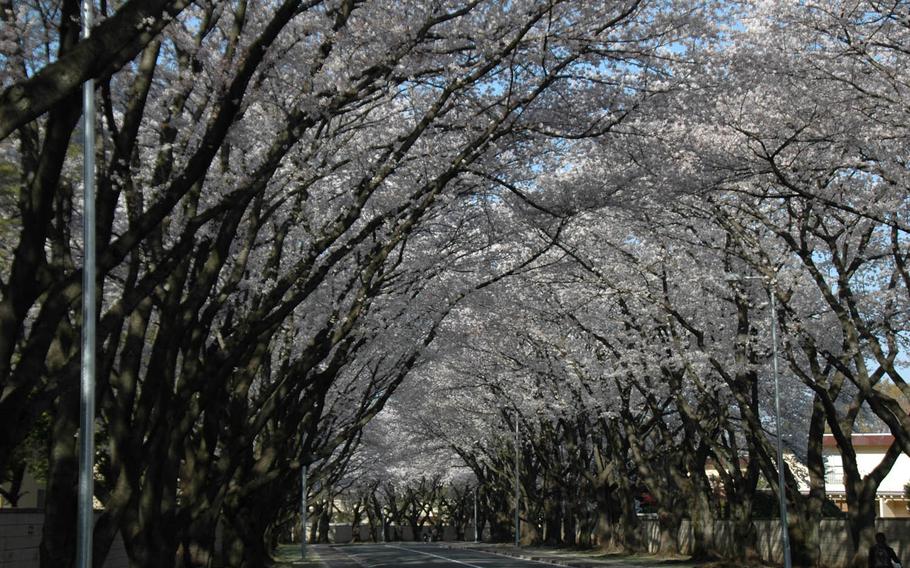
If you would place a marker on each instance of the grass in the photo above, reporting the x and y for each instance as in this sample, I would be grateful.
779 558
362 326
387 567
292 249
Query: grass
288 556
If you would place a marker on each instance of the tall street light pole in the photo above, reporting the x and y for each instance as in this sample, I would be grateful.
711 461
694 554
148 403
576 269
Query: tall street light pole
781 481
85 519
475 515
303 511
517 488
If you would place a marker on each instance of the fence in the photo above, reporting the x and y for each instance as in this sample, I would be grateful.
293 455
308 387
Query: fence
836 548
20 537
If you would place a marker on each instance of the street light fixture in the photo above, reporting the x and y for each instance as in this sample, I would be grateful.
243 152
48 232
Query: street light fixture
781 484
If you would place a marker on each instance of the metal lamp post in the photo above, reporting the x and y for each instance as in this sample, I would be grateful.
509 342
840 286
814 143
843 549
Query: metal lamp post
781 482
303 511
475 515
517 488
85 516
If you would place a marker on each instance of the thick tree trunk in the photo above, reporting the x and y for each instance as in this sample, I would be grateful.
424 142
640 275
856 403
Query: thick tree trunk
617 523
805 524
702 522
324 522
552 535
530 531
605 528
314 527
629 527
233 547
569 524
197 543
669 522
501 525
58 541
804 539
861 523
246 542
745 535
355 523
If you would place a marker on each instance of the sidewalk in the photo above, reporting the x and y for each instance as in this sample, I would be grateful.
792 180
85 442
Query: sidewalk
578 558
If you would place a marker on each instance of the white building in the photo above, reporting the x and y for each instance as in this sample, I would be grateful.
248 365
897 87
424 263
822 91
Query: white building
870 449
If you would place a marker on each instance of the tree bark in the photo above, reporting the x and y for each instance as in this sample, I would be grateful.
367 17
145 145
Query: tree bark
58 539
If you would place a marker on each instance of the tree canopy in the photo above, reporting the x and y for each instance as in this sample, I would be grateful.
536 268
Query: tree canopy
567 214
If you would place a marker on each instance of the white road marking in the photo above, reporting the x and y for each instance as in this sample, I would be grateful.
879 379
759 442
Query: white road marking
434 556
474 565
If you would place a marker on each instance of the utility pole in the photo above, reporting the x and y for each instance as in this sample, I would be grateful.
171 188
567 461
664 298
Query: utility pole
517 489
303 511
475 514
85 519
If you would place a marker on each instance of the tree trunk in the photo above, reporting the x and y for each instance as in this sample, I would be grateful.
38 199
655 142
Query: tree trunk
604 529
325 520
629 526
501 528
745 535
861 523
569 524
530 529
58 540
197 547
668 522
356 519
701 521
552 535
245 536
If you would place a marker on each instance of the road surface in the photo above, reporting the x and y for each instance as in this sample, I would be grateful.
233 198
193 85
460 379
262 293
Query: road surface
417 555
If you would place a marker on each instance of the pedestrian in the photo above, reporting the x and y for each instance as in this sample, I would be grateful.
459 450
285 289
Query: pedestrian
881 555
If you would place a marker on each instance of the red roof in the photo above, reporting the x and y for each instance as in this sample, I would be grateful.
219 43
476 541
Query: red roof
861 440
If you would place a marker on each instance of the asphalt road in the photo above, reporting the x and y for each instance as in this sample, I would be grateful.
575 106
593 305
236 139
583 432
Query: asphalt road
419 555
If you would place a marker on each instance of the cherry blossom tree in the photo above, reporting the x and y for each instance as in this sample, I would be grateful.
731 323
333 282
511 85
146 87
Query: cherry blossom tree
563 215
265 241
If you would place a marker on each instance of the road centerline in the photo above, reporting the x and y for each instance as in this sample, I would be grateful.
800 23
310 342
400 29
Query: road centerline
521 558
435 556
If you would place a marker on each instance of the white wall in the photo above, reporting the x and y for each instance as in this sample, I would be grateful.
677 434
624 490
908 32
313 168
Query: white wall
20 537
866 460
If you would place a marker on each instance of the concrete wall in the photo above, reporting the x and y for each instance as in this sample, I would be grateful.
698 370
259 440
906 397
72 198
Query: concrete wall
835 540
340 533
20 537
